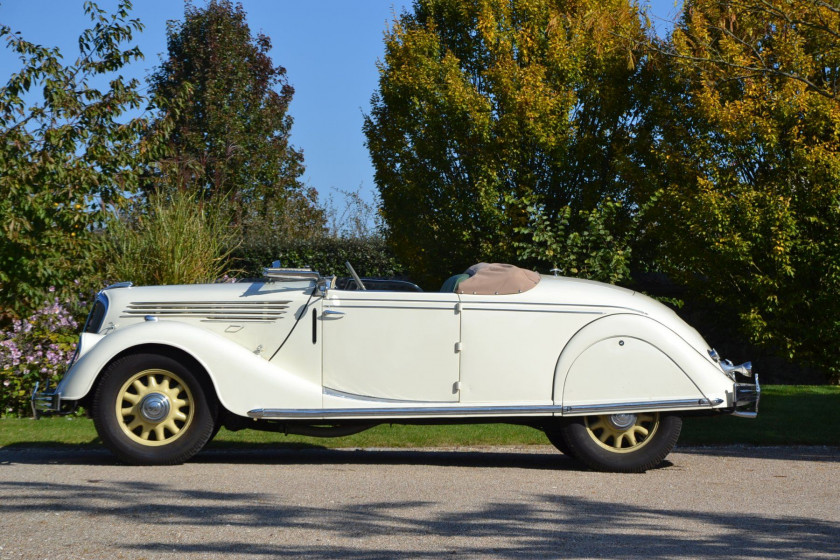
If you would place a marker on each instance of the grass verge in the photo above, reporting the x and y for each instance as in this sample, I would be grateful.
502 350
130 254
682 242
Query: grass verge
789 415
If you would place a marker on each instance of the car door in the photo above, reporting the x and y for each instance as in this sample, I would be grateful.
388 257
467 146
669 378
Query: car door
391 346
510 347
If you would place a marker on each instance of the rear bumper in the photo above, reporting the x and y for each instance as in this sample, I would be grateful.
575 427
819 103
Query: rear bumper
746 399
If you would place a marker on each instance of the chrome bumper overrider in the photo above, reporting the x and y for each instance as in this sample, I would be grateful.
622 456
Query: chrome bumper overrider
45 402
745 396
746 399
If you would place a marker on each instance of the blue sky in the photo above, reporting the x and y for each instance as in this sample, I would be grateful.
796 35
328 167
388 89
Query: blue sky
329 49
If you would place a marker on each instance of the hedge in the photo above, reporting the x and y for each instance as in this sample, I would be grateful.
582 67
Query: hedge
369 256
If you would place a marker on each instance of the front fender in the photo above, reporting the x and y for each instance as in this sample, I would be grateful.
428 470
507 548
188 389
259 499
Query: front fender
242 380
630 358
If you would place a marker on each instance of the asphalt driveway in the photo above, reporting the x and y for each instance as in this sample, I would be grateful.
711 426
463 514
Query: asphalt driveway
729 502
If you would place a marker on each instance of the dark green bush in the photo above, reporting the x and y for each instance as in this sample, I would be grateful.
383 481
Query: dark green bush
369 256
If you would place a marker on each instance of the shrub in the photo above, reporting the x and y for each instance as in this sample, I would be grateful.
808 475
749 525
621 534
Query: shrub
36 349
592 252
171 239
369 256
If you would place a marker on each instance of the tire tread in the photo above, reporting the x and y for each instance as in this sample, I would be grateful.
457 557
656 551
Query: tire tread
651 455
134 454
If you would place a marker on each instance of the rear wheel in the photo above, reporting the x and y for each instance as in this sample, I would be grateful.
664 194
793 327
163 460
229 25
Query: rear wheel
557 439
622 442
150 409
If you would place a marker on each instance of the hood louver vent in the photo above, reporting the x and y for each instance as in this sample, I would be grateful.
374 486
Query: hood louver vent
255 311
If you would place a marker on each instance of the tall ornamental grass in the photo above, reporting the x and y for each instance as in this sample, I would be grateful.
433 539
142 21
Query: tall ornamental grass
173 239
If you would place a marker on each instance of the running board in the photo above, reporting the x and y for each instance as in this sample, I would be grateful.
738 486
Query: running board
476 411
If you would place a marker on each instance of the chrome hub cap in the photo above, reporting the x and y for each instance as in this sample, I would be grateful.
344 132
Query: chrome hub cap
622 421
622 433
154 407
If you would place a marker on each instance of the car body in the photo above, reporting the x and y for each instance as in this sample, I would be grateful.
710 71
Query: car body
606 372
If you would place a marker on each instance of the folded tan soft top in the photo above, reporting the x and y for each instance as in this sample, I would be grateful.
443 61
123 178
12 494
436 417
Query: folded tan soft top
497 279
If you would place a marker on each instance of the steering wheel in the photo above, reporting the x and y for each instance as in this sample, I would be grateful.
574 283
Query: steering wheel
355 276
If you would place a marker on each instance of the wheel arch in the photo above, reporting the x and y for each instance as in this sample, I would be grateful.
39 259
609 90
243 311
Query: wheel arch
178 354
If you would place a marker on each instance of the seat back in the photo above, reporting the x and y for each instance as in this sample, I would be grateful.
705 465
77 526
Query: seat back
451 284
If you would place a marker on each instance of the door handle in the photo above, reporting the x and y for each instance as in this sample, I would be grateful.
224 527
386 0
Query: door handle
332 313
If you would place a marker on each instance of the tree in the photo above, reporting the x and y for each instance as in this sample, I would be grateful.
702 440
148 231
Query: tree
485 108
229 107
66 155
745 119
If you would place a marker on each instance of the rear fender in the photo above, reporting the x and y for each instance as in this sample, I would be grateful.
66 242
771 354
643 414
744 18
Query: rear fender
629 358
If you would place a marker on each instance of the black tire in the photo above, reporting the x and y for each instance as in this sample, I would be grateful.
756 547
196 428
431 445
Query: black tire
216 427
150 409
557 439
639 442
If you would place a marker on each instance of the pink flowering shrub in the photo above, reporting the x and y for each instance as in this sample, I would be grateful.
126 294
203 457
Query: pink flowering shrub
38 348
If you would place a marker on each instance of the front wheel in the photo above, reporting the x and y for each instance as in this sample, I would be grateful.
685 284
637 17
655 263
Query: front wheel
622 442
150 409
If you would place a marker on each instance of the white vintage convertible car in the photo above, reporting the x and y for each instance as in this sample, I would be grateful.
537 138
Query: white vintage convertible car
606 372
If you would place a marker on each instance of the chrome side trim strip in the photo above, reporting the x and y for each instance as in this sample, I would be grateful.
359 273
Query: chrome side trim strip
537 410
403 412
328 392
652 405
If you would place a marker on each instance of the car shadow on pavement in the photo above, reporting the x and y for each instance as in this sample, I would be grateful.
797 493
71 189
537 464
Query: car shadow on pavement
538 525
30 453
468 457
534 457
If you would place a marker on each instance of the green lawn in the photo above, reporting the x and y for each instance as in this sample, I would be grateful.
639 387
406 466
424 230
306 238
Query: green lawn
789 415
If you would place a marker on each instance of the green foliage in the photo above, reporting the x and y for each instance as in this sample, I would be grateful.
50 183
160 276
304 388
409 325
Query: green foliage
65 156
593 252
369 256
171 239
228 105
502 130
298 214
780 420
745 114
483 102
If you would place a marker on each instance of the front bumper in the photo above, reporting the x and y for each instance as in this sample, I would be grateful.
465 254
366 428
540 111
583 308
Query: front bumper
745 399
48 402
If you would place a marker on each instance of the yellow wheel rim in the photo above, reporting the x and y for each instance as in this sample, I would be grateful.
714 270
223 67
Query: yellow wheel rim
622 433
154 407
